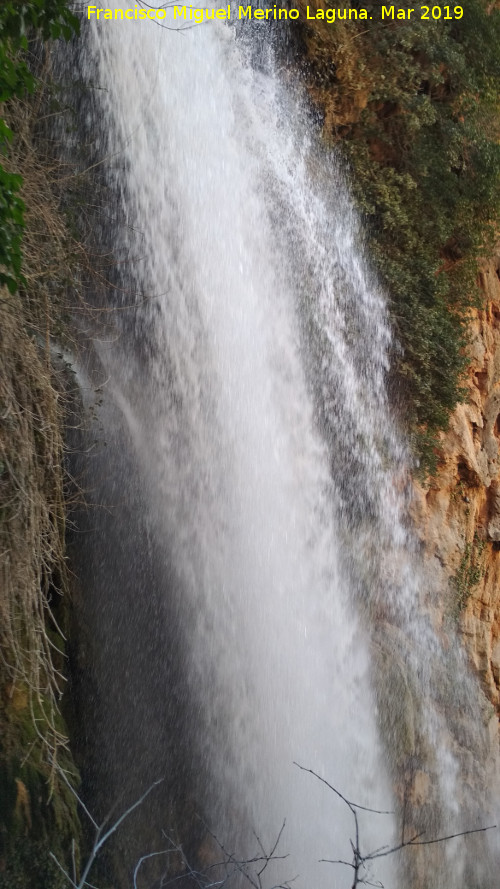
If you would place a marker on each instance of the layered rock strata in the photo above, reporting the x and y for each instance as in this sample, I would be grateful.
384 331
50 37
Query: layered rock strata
457 516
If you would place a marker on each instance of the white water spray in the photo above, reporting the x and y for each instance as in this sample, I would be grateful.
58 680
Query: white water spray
251 380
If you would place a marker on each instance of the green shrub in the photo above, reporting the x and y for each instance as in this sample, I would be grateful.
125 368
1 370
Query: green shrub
11 228
469 573
424 157
30 865
45 19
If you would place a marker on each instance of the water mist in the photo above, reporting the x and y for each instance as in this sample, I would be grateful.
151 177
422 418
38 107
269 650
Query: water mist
251 596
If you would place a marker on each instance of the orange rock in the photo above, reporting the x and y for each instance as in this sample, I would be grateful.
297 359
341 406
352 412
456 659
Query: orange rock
459 513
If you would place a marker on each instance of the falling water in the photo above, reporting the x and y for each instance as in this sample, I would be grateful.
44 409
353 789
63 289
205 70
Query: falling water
251 594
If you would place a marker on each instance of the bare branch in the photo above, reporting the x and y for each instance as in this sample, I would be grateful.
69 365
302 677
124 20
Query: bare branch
339 794
336 861
452 836
127 813
62 774
359 861
251 869
51 854
143 859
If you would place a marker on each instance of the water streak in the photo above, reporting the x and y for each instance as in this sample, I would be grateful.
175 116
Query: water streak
250 436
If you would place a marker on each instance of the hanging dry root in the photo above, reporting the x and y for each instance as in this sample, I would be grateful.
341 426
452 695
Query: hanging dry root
32 508
31 524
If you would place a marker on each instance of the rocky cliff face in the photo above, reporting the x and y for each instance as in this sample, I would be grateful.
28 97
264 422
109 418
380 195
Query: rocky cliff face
458 515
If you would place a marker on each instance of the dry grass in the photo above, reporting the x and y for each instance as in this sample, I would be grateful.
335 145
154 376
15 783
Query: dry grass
31 521
32 413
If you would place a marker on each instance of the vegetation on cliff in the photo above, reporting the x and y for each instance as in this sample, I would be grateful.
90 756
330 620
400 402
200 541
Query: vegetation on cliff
416 107
43 19
37 256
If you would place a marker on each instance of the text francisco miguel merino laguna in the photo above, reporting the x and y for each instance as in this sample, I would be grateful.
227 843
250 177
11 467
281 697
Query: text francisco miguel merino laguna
200 15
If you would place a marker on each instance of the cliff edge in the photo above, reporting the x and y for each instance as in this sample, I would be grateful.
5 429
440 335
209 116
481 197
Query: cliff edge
457 515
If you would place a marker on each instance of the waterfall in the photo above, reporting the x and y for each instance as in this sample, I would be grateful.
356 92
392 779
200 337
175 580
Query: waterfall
251 595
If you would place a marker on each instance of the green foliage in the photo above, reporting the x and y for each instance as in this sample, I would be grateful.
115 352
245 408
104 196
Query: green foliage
51 19
11 228
38 812
45 19
432 205
469 573
30 865
424 154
